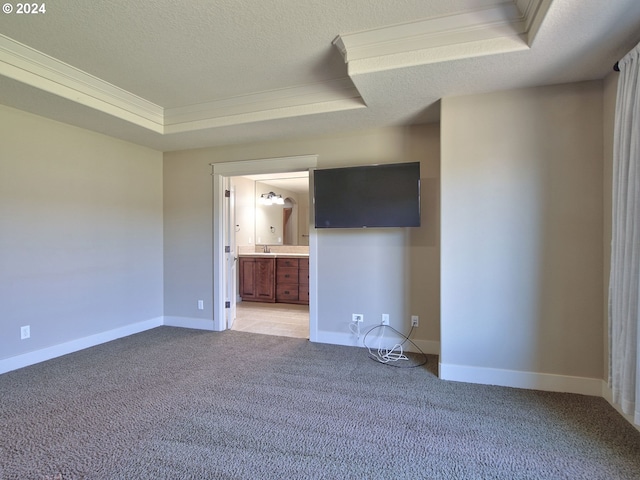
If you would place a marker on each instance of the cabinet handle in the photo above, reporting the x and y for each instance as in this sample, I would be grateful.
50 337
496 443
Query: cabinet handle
286 292
287 275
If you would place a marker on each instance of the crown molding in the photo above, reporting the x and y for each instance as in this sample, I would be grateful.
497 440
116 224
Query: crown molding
506 27
331 96
31 67
534 12
34 68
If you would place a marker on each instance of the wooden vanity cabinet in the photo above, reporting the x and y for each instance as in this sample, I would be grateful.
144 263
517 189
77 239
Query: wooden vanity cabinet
257 279
280 279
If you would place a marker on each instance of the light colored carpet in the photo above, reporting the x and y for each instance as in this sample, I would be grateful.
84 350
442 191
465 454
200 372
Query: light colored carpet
174 403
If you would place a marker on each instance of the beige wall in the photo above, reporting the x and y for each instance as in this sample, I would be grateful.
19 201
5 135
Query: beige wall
522 229
188 237
359 272
526 231
81 233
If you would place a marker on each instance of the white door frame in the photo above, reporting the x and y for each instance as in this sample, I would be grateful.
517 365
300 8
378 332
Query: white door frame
253 167
231 263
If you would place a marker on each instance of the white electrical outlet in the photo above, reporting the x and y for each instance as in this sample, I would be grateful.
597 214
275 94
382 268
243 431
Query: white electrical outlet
385 319
200 304
25 332
414 320
357 317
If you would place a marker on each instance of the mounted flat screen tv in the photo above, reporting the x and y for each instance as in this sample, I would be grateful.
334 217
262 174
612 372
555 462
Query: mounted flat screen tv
368 197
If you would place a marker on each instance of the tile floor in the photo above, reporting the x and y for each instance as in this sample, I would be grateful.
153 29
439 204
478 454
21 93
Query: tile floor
283 319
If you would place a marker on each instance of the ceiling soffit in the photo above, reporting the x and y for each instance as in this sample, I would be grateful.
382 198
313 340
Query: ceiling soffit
502 28
506 27
331 96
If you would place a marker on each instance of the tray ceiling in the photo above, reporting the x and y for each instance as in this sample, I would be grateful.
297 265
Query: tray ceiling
174 75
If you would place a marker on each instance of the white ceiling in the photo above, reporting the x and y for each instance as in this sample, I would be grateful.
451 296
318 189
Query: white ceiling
175 74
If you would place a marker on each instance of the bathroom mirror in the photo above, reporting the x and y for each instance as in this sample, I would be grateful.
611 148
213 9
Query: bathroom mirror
282 210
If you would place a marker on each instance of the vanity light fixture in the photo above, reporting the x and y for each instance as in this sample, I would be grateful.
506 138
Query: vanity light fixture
271 199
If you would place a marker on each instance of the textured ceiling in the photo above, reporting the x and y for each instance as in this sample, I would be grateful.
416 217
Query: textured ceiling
174 75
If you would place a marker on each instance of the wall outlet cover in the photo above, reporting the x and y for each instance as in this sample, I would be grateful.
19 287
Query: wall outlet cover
25 332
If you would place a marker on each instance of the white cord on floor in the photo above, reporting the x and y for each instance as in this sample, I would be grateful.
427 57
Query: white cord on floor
385 355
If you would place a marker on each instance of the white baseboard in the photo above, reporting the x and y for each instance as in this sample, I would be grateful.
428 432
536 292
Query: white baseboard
351 340
189 322
31 358
460 373
517 379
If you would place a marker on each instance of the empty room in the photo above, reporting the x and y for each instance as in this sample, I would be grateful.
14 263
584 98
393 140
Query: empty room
320 239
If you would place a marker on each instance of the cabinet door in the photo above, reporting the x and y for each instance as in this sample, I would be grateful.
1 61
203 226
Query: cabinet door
303 279
303 293
265 279
247 278
303 276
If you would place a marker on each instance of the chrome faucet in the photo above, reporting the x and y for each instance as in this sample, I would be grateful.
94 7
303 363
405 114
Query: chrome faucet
266 248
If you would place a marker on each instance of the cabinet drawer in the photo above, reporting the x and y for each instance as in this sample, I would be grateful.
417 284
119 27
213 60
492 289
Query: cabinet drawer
287 292
286 275
287 262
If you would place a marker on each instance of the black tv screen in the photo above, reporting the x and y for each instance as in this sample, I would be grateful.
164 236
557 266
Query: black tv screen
368 197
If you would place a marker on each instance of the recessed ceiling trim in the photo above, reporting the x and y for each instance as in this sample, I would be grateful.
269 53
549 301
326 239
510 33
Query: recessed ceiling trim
501 28
427 33
335 91
445 53
534 12
271 114
29 66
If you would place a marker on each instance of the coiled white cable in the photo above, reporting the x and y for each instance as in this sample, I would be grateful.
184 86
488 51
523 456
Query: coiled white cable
389 356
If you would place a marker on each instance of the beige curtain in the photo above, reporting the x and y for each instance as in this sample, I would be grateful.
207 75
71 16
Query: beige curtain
624 285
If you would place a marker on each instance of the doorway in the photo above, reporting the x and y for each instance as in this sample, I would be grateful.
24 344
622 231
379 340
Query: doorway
223 259
270 208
